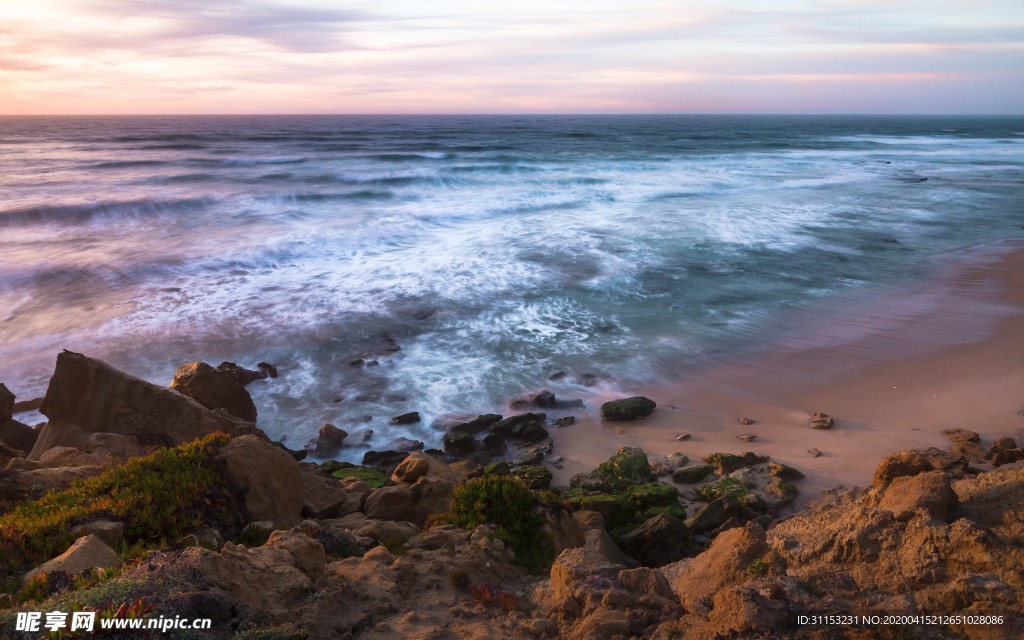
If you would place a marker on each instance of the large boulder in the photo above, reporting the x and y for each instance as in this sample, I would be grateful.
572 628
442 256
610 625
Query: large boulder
96 397
627 408
322 497
574 570
719 565
328 440
214 389
268 477
911 462
87 553
629 466
410 502
930 491
658 541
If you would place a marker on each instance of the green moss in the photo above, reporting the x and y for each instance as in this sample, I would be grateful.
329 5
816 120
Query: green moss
725 463
372 477
157 497
730 487
615 509
674 510
652 494
628 466
254 536
534 476
507 503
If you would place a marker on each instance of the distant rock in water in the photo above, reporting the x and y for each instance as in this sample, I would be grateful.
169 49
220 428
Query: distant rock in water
627 408
329 440
406 418
215 389
544 399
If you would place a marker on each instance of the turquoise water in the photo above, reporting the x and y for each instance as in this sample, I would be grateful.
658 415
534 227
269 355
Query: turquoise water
493 251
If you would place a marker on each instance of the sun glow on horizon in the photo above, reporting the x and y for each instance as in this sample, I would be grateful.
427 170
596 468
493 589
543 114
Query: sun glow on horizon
397 56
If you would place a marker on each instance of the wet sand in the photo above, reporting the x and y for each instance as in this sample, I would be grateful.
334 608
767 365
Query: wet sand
894 367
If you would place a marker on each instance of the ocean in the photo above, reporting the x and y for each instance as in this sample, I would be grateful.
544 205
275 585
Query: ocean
446 264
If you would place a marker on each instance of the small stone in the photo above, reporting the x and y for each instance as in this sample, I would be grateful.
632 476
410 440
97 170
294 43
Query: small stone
814 452
746 421
565 422
747 437
820 420
683 436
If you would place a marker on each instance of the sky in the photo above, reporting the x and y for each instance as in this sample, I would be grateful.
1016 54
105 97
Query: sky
527 56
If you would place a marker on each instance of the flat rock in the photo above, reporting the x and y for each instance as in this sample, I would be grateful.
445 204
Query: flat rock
930 491
962 435
406 418
911 462
87 553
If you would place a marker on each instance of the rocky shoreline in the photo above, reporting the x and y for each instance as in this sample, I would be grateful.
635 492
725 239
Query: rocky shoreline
173 498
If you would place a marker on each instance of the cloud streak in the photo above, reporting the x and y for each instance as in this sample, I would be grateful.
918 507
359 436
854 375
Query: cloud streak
120 56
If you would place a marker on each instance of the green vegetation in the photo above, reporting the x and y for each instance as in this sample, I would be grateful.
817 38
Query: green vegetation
396 545
253 535
157 497
508 504
652 494
729 487
616 510
674 510
627 467
757 568
372 477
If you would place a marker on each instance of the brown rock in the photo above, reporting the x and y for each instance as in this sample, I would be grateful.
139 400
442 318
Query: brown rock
88 552
96 397
739 612
410 502
820 420
265 578
411 469
644 580
1007 456
722 563
108 531
241 375
603 622
214 389
322 497
1005 443
308 555
658 541
269 478
961 435
573 568
914 461
328 440
6 404
930 491
17 435
384 531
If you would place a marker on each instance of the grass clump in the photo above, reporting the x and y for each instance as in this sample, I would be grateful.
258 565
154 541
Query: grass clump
506 503
157 497
372 477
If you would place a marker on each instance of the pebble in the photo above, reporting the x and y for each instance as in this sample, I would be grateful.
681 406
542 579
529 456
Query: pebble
683 436
746 421
747 437
814 452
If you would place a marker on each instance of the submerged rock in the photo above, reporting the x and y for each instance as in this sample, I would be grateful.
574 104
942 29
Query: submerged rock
627 408
406 418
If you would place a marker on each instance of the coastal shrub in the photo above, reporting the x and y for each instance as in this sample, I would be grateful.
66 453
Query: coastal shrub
506 503
373 477
490 595
757 567
157 497
253 535
396 545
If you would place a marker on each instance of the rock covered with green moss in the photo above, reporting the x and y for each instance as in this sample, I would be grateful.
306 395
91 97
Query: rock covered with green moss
628 408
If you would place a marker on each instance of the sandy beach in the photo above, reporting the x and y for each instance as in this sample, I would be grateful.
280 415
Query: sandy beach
894 367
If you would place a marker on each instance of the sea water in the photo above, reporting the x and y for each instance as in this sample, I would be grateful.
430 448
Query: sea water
445 264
